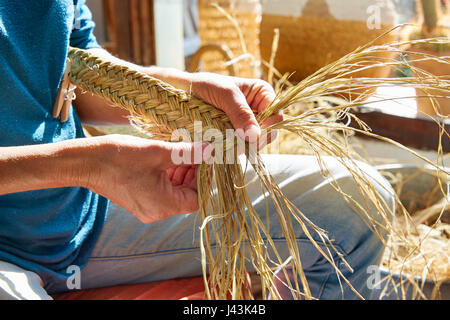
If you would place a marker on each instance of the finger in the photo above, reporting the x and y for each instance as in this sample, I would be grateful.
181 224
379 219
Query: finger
269 137
179 175
242 117
272 120
170 172
259 94
190 179
176 199
267 99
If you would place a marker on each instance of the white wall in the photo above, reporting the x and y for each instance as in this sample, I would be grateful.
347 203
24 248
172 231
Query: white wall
169 33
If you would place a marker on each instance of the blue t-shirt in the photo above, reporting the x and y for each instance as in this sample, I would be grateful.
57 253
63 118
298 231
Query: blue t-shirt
45 231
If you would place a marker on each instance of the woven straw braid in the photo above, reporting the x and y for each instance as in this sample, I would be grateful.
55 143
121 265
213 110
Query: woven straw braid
156 107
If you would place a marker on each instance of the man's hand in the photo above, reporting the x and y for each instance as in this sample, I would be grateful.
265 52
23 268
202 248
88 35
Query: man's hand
143 177
239 98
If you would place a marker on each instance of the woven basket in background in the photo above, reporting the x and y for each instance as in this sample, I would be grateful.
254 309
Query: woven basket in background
314 33
216 28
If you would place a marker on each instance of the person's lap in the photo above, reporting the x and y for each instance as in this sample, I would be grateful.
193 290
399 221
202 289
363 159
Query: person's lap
129 251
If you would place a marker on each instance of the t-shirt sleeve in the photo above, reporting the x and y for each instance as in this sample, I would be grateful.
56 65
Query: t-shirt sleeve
82 35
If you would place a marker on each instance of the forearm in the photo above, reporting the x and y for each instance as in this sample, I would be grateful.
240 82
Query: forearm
177 78
63 164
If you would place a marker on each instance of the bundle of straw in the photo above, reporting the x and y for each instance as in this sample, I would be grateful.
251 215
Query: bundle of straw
228 217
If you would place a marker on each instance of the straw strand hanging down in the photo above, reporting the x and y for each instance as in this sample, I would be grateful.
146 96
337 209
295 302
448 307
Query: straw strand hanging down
229 220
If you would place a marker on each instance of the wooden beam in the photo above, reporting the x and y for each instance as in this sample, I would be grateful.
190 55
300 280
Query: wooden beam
118 27
135 31
130 30
148 32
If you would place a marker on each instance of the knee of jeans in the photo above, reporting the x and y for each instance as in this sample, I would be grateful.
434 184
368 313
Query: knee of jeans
374 203
385 195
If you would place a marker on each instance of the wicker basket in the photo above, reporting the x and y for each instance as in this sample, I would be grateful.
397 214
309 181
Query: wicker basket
314 33
215 28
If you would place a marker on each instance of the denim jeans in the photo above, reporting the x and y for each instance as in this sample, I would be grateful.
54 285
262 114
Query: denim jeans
130 252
